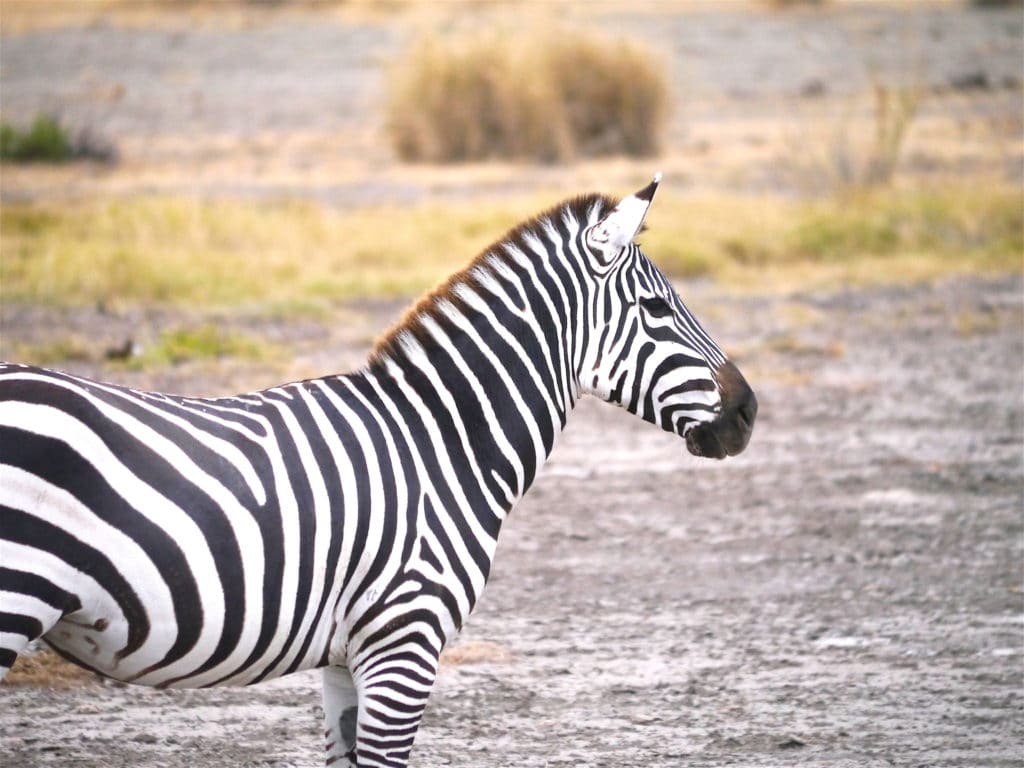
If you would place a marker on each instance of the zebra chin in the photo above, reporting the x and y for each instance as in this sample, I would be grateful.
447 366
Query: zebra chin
729 433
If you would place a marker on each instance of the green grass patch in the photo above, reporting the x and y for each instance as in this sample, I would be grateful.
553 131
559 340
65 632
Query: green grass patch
172 347
47 140
44 140
188 344
289 258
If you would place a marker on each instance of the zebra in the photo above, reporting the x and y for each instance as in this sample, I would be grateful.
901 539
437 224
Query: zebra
346 523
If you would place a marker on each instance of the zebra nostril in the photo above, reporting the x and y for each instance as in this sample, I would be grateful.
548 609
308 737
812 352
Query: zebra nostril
746 412
744 419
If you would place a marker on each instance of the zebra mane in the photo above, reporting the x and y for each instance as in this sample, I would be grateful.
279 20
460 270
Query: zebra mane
388 346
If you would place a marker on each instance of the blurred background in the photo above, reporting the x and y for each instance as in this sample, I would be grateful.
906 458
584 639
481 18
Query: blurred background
207 197
282 158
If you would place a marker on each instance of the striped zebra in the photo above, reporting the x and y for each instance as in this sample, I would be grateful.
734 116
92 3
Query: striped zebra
346 523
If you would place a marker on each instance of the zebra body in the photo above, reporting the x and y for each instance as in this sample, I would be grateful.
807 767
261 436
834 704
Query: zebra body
349 522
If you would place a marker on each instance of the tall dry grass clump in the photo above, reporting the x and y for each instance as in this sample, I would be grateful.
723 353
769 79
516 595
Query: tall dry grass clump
545 96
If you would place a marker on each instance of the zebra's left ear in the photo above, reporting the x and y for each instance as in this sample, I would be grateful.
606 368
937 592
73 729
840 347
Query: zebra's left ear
616 230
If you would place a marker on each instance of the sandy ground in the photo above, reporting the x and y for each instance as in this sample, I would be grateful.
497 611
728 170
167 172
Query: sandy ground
846 593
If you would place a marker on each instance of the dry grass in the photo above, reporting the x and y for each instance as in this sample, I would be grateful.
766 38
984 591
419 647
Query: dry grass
278 256
785 5
45 669
21 16
476 652
546 96
872 237
289 257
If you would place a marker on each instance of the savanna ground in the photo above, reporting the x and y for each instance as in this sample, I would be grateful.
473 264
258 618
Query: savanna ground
848 592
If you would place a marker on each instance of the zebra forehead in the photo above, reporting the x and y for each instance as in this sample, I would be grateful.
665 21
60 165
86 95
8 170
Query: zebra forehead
525 237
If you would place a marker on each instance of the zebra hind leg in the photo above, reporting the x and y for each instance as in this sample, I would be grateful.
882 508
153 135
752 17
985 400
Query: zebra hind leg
341 711
29 606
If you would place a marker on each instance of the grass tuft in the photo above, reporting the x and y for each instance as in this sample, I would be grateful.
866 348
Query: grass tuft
541 96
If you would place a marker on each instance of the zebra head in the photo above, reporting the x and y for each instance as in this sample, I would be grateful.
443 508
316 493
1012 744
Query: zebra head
647 352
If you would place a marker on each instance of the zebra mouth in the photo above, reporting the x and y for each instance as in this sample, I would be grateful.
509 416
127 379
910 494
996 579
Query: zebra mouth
702 441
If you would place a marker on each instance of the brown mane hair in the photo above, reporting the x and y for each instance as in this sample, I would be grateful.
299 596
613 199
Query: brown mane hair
411 321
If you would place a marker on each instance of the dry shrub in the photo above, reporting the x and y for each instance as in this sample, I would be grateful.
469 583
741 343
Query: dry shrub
545 96
852 154
895 110
45 669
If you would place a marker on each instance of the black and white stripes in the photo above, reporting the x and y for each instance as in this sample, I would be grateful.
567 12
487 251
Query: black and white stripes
345 523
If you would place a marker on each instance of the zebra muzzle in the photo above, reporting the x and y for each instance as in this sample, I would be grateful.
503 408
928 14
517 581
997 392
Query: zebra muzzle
730 431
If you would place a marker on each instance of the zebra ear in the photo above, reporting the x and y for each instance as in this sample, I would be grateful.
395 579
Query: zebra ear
616 230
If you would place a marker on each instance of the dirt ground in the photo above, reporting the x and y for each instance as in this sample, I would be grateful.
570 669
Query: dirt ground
845 593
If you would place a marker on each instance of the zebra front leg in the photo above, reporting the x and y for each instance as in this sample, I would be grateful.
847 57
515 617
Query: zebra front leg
393 691
341 711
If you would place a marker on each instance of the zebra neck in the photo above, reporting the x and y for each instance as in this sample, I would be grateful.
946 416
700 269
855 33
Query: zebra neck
484 401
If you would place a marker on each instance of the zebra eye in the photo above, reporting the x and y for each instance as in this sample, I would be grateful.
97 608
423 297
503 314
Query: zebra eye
656 307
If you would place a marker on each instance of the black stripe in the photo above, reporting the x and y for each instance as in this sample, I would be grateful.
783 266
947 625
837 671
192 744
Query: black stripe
388 516
488 455
20 624
303 514
642 355
666 366
360 506
328 469
25 583
454 450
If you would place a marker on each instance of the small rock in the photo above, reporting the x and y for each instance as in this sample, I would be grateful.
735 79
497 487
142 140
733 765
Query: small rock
813 89
122 351
971 81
